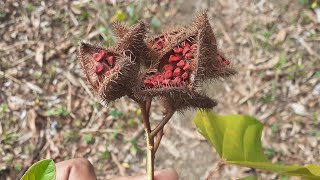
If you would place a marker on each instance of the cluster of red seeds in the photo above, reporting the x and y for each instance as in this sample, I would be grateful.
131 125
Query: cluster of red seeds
177 69
105 62
159 44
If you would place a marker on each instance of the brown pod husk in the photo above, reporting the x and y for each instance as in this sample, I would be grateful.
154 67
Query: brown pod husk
187 100
115 85
120 30
133 43
206 64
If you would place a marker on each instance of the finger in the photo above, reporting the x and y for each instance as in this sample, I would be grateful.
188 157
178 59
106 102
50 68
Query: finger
166 174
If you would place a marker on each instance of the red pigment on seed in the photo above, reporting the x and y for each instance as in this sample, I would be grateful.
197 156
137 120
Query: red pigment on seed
168 67
167 74
110 60
181 63
185 75
185 50
103 53
97 57
177 72
176 81
174 58
166 81
186 44
177 49
189 55
99 68
186 67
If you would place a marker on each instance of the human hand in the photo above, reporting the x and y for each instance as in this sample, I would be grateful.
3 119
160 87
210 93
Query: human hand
82 169
166 174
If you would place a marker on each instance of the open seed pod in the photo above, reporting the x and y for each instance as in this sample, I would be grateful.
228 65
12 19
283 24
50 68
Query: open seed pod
113 72
108 72
187 57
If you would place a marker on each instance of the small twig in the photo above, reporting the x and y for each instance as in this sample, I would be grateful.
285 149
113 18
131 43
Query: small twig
122 170
163 122
158 140
214 170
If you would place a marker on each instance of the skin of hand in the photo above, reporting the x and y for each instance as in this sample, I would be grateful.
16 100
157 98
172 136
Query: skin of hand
166 174
82 169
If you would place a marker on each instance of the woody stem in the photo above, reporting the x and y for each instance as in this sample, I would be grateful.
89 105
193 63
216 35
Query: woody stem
150 140
164 121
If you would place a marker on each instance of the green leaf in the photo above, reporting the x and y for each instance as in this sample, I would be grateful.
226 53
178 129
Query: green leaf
42 170
249 178
237 139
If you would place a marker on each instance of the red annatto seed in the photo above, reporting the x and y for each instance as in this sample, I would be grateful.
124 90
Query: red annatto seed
181 63
176 81
116 67
186 44
167 75
185 50
161 78
103 53
110 60
166 81
177 72
97 57
168 67
177 49
174 58
99 68
189 55
186 67
185 75
107 72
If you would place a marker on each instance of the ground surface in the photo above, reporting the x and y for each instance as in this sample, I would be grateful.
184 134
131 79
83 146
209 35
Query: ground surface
47 111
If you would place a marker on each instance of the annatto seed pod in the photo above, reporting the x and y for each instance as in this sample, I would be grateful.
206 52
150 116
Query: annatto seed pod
186 59
113 72
108 79
144 54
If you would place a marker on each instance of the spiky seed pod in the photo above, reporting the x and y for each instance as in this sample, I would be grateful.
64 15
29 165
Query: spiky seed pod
205 62
186 59
111 74
120 30
187 100
132 42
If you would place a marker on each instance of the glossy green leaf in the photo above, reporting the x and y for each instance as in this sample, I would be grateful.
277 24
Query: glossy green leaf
42 170
237 139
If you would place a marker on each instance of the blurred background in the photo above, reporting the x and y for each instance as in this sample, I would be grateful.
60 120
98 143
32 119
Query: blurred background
48 111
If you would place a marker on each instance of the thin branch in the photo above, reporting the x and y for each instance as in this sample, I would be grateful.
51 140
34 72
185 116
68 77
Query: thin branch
148 105
145 116
158 140
149 141
216 169
163 122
